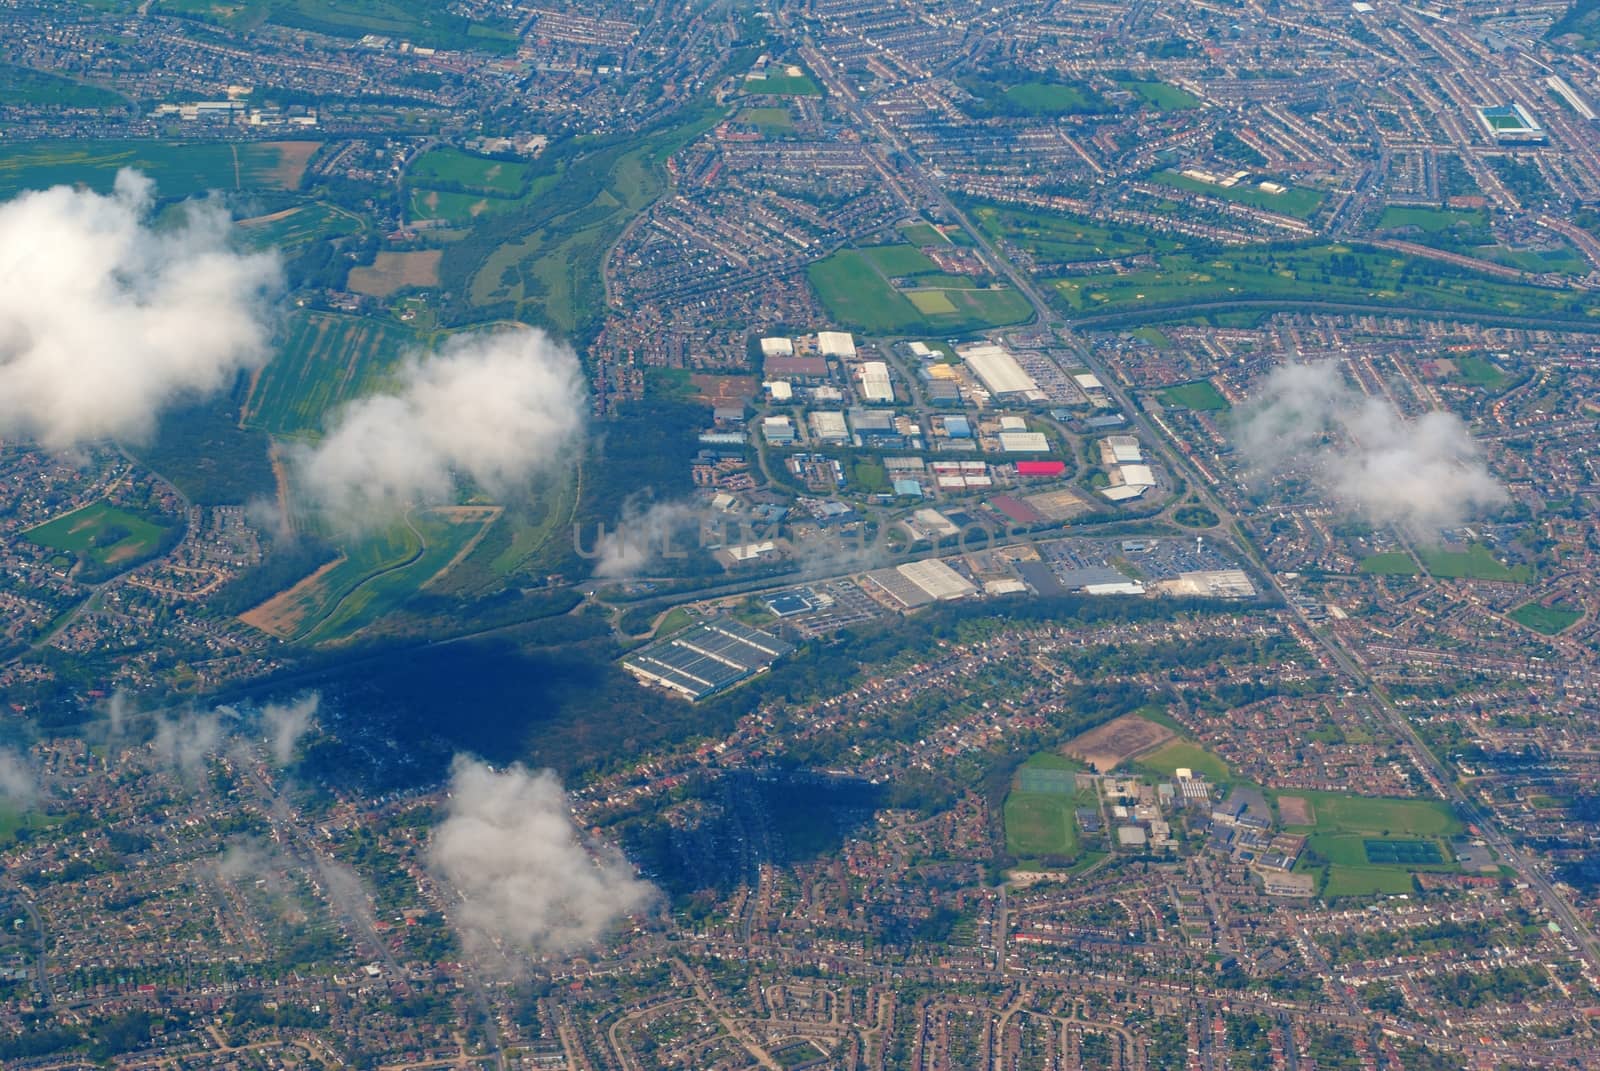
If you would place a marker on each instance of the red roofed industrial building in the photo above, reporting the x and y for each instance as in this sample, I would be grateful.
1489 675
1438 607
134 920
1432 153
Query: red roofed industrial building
1041 468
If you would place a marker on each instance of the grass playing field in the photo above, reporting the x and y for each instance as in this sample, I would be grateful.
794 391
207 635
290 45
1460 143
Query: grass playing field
1333 812
1550 620
783 85
101 533
1055 236
1199 395
1186 754
899 260
857 292
1477 562
1166 98
422 22
26 86
504 178
1039 811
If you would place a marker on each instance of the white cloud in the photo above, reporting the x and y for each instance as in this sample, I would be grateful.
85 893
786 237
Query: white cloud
526 877
643 538
18 785
1423 473
105 320
185 743
286 723
494 406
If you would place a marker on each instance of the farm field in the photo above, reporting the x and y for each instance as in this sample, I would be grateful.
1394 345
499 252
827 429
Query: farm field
1199 395
423 22
390 272
23 86
294 228
1551 620
373 576
1295 201
180 169
101 533
325 360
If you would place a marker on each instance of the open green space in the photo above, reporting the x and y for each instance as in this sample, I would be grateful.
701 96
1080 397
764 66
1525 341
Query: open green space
1434 221
1477 562
422 22
540 261
1295 201
1051 98
783 85
101 533
899 260
1057 236
1039 811
1199 395
859 295
12 821
1402 852
1367 881
297 228
1335 813
1562 259
768 120
179 168
676 620
924 234
324 360
1166 97
1551 620
1316 272
452 167
24 86
1155 336
1388 563
1185 754
1478 372
231 13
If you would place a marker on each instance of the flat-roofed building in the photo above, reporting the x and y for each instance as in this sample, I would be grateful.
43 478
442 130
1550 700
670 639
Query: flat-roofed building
875 384
937 579
998 370
828 426
777 347
1024 442
836 344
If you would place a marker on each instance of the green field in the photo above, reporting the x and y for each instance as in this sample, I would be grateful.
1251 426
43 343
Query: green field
1434 221
452 167
1389 563
1551 620
381 590
541 261
1334 813
1479 373
1200 395
1562 259
180 169
924 234
860 296
1184 753
299 227
325 359
899 260
1056 236
24 86
768 120
783 85
101 533
1166 98
1367 881
1038 812
422 22
1295 201
1049 98
1315 272
1477 562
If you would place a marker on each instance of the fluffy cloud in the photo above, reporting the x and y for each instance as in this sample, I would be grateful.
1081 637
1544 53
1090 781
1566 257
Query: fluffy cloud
643 538
18 786
495 406
185 743
105 321
1423 473
527 879
286 723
